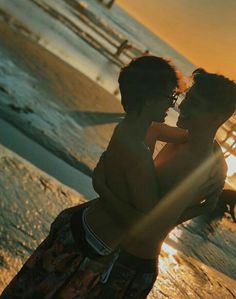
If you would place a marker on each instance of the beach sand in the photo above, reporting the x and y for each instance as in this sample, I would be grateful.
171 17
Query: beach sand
29 202
58 106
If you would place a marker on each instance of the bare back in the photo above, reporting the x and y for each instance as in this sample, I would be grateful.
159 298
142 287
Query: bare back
130 175
174 163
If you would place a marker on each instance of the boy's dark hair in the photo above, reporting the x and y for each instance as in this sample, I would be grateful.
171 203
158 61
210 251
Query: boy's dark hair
143 77
218 90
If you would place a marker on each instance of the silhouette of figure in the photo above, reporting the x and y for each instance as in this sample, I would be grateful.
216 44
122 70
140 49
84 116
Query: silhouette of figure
110 3
124 45
76 255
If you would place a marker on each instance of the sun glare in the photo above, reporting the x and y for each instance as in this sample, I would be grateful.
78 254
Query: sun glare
168 249
167 257
231 163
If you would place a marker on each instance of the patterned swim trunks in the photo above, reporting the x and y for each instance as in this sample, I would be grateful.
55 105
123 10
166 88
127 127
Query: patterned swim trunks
59 267
65 267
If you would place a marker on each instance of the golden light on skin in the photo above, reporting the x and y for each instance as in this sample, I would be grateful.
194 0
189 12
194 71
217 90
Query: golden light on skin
202 30
175 202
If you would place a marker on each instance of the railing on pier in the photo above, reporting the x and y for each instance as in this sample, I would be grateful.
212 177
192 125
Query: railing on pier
122 49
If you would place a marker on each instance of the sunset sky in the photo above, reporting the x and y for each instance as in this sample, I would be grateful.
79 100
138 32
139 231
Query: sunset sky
202 30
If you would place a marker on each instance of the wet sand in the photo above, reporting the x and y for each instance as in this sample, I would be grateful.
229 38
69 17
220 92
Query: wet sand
34 153
44 97
29 201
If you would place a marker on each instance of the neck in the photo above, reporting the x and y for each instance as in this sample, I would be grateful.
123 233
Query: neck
137 124
201 140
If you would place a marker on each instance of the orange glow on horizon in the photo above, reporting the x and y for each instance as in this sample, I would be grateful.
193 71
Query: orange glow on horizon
201 31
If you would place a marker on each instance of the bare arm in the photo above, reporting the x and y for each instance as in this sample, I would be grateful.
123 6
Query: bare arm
197 210
165 133
213 187
206 206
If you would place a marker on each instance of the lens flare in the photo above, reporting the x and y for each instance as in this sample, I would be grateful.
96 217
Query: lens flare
168 249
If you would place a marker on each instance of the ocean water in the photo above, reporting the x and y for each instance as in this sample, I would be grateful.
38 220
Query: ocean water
49 27
141 35
55 34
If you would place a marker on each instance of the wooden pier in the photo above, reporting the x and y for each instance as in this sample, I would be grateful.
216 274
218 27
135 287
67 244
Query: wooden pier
227 137
97 32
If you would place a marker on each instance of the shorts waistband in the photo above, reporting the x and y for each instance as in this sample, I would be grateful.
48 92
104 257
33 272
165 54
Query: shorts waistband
93 240
79 235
